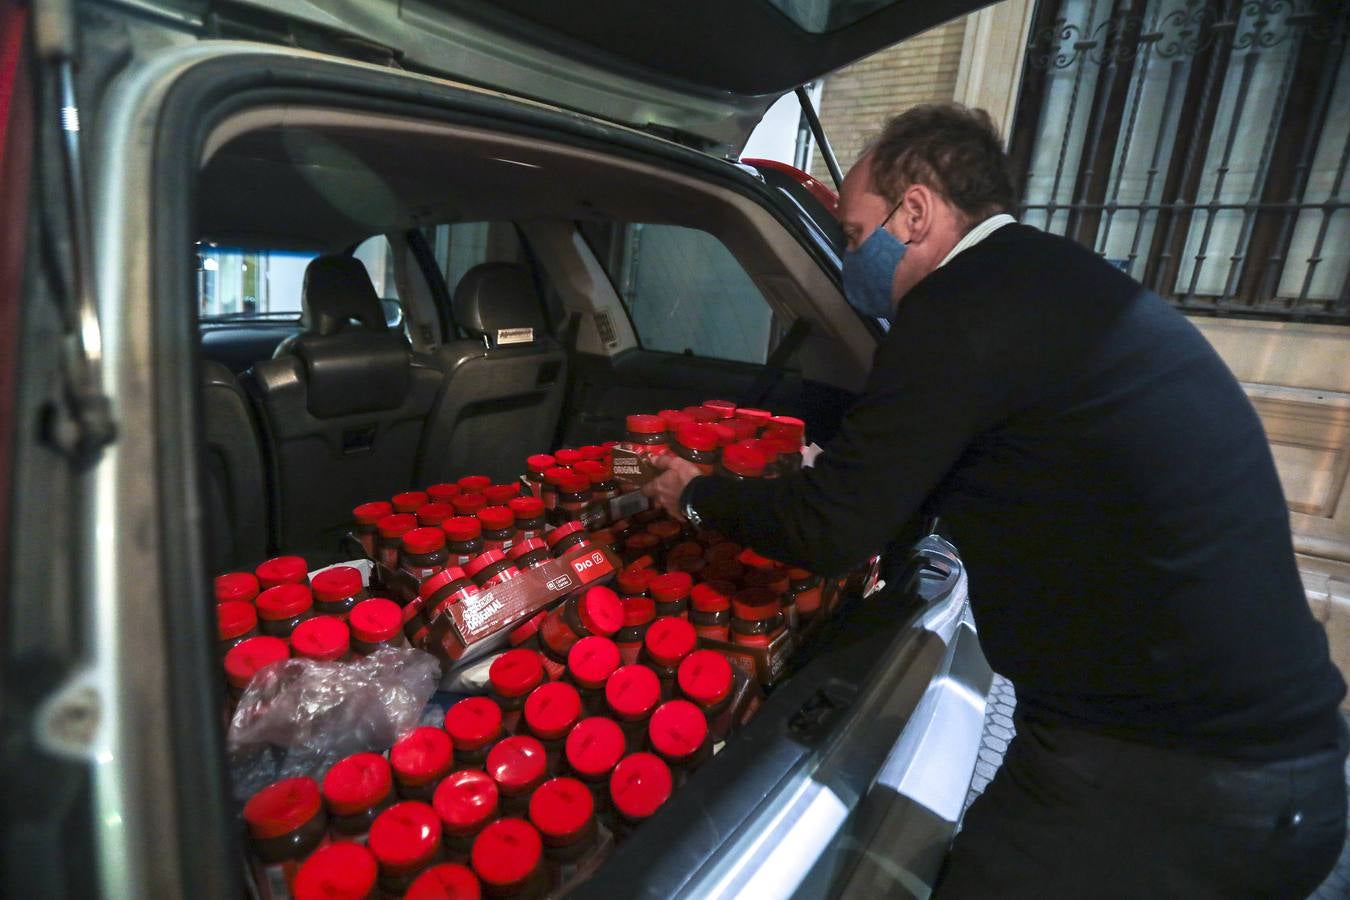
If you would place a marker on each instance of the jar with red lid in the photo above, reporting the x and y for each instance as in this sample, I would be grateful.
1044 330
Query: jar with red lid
282 608
635 582
805 588
526 635
406 839
410 501
759 417
702 415
508 859
668 531
473 484
667 643
419 760
444 881
597 611
594 748
744 429
711 609
519 765
535 467
563 811
444 493
638 614
321 638
674 420
337 590
424 552
574 498
622 528
548 492
719 550
511 677
356 790
683 550
678 733
529 517
724 570
756 617
466 802
726 435
286 823
742 463
389 544
490 568
567 537
236 622
474 725
646 434
590 662
631 694
551 710
375 624
697 444
787 426
244 660
787 453
725 409
464 539
706 680
603 492
441 591
671 593
468 504
692 566
639 785
501 494
236 586
499 527
642 544
282 570
342 871
567 457
434 514
530 553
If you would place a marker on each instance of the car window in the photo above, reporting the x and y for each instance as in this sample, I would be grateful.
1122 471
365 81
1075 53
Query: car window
461 246
684 291
378 258
249 282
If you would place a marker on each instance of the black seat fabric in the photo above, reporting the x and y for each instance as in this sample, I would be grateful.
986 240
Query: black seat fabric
236 505
504 384
344 409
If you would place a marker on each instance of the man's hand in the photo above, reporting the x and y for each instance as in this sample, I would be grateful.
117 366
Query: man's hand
665 489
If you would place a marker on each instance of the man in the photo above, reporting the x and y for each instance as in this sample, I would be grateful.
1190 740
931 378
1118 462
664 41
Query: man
1112 494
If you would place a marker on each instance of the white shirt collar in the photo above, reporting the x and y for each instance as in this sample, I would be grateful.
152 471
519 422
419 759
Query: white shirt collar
977 234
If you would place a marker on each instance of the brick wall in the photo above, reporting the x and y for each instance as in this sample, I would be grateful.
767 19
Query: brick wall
857 100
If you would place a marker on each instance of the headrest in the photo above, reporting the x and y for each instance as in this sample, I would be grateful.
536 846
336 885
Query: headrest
498 300
338 289
353 373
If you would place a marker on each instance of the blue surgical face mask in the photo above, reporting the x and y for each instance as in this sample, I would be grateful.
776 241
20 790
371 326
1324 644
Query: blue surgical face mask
869 272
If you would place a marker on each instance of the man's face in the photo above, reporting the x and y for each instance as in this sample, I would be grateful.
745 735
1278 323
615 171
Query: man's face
860 210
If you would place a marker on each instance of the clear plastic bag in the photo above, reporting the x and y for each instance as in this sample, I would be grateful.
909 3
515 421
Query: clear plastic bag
300 716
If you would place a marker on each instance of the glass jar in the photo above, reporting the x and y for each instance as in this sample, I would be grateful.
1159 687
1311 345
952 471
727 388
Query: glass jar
568 457
499 527
535 467
720 550
501 494
526 634
468 504
236 622
678 733
692 566
406 839
638 614
789 427
757 417
441 591
756 617
465 801
444 493
724 409
464 539
646 434
574 498
490 569
529 517
668 642
631 694
594 748
724 570
548 493
286 823
244 660
375 624
668 532
642 545
787 452
389 544
568 537
684 550
444 881
711 612
511 677
282 570
321 638
590 662
433 515
705 679
742 463
702 415
282 608
473 484
424 552
410 501
635 582
671 593
419 760
356 790
806 589
551 710
474 725
698 445
508 859
337 590
335 871
639 785
529 554
563 811
236 586
519 765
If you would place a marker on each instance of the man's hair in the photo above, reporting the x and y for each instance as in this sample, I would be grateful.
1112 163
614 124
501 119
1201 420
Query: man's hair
951 149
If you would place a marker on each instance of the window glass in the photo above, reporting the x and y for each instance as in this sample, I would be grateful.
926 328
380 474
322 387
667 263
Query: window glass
249 282
463 245
378 258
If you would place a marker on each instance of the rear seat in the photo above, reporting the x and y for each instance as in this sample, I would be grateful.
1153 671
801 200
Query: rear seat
344 409
236 505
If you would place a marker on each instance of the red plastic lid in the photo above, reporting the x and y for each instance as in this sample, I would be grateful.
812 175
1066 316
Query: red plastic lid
638 611
245 658
677 729
686 548
561 809
641 542
705 677
442 578
641 424
433 514
697 437
497 518
552 709
723 570
770 449
506 853
482 561
666 530
235 617
539 463
468 504
775 580
567 457
751 558
726 407
595 452
473 722
517 764
743 460
694 565
501 494
782 445
285 601
236 586
670 587
554 475
516 672
343 871
600 611
397 525
712 596
674 419
528 546
410 501
633 691
669 640
595 472
282 570
526 507
443 493
788 423
375 620
595 746
423 755
701 414
357 783
755 604
634 582
527 629
574 482
405 837
562 531
322 638
462 528
726 435
639 784
337 583
282 807
722 551
592 660
465 800
474 484
447 881
745 429
759 416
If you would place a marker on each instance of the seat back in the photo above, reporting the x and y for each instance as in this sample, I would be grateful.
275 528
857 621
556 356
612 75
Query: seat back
344 410
504 385
236 504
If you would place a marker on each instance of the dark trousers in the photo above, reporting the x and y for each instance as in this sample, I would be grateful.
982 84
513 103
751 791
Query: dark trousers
1074 814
